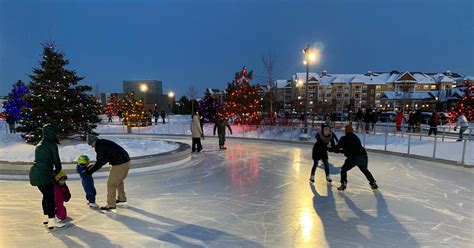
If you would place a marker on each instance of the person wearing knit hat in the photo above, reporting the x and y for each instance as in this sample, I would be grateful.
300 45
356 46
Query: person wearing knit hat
112 153
355 156
61 195
325 141
86 180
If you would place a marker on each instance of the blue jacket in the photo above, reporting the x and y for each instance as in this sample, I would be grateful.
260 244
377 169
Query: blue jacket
87 183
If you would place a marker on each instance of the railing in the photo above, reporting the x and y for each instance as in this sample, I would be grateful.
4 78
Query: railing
383 137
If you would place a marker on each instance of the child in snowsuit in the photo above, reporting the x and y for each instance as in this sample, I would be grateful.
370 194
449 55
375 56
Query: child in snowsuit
324 138
87 180
61 195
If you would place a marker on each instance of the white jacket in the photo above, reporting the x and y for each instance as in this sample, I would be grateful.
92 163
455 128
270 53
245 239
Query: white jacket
196 131
462 121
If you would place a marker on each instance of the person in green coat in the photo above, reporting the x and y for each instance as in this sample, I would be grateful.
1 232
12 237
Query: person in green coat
41 173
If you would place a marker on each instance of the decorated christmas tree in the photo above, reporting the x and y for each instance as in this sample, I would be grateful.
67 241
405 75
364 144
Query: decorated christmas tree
466 104
134 111
113 105
14 101
242 101
208 107
56 98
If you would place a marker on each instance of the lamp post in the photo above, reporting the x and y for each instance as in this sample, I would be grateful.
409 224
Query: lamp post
144 89
170 100
310 55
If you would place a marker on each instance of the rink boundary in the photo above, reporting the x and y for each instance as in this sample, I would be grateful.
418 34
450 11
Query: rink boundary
140 164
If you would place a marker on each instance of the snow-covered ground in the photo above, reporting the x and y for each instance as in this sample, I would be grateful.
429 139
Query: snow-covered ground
258 195
13 148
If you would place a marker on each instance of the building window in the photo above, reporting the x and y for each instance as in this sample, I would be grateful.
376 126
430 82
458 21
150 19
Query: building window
377 94
338 95
364 87
364 94
372 92
433 87
378 87
357 95
346 95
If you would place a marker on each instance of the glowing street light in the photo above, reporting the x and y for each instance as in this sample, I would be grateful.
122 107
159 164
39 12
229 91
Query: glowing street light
171 94
311 55
143 88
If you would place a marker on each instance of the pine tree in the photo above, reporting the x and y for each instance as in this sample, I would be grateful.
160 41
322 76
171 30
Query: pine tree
56 98
208 107
113 105
134 111
466 104
242 101
14 101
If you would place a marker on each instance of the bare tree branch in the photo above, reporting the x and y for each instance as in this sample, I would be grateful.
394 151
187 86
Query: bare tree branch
269 60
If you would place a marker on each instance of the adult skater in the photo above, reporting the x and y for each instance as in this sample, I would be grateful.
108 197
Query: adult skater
462 124
41 173
196 133
324 138
356 156
112 153
220 125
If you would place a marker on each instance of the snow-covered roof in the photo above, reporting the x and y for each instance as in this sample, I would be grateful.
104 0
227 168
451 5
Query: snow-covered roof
423 78
302 76
282 83
397 95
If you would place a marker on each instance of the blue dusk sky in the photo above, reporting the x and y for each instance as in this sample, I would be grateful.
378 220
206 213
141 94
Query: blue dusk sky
203 43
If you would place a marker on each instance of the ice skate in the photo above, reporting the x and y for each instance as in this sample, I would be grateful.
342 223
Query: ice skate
53 222
374 186
108 210
328 178
121 203
311 179
93 205
342 187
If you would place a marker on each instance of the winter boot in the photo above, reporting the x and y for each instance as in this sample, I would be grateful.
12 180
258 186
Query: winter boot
93 205
374 185
311 179
224 148
328 178
45 222
53 222
121 203
342 187
108 210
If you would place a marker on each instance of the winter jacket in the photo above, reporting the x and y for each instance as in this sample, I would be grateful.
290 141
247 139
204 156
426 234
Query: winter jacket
10 119
320 148
368 117
462 121
399 119
411 119
196 130
108 152
46 158
432 121
61 195
351 146
87 183
220 126
360 115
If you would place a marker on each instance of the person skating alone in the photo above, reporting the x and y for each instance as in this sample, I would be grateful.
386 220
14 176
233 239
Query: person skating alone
220 125
41 173
11 123
61 195
112 153
355 156
433 122
324 138
86 180
462 124
196 133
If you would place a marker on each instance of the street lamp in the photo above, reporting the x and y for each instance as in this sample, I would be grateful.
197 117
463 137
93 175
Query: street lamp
144 89
310 56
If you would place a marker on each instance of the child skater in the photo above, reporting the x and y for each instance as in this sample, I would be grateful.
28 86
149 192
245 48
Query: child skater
324 138
61 195
87 180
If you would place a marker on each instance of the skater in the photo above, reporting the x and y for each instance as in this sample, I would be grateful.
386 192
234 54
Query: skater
163 116
324 138
41 173
418 119
156 115
398 120
433 122
356 156
411 122
220 125
109 115
112 153
11 123
360 120
367 120
462 124
87 180
196 133
61 195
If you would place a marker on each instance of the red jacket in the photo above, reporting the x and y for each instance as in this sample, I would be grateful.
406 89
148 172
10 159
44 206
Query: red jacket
61 195
400 117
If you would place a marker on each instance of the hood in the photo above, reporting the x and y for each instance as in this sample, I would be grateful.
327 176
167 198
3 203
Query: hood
50 132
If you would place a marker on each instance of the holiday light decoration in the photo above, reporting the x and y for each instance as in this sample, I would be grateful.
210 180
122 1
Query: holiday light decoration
242 101
208 107
134 111
113 105
15 101
466 104
55 98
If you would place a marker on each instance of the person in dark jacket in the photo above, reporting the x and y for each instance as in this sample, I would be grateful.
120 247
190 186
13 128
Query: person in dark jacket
368 119
418 119
355 156
46 164
433 122
86 180
163 116
324 138
11 123
360 120
112 153
220 125
411 122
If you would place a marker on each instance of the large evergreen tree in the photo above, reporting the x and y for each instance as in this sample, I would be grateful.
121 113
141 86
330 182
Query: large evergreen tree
134 111
56 98
14 102
113 105
466 104
242 101
208 107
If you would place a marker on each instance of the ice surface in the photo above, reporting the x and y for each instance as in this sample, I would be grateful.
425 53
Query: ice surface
258 195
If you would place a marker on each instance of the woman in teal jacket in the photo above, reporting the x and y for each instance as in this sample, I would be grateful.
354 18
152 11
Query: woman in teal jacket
41 173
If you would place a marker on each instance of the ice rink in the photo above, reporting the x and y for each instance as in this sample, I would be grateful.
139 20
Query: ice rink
258 195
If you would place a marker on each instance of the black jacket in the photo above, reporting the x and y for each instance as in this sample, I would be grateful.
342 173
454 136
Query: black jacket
320 149
351 146
108 152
